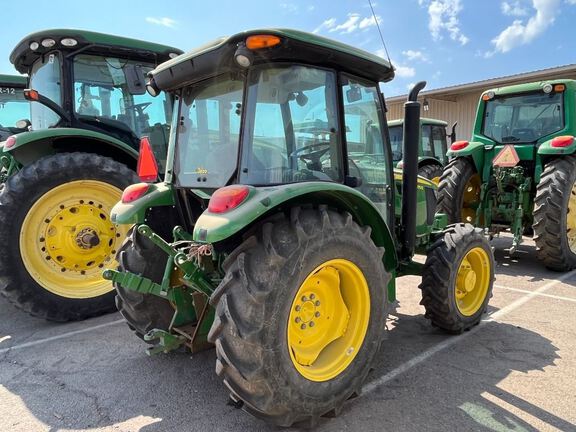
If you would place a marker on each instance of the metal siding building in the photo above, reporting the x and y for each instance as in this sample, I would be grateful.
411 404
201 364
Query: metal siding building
458 103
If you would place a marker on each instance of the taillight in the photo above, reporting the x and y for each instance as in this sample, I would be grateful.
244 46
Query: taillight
227 198
133 192
147 168
261 41
459 145
31 94
10 142
562 141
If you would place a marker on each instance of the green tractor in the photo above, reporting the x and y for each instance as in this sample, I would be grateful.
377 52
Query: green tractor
432 149
88 109
286 243
14 109
518 172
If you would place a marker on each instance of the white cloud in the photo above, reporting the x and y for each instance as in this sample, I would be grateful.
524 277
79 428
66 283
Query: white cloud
349 25
326 25
353 23
443 16
410 86
520 33
290 7
370 21
163 21
514 8
404 71
413 55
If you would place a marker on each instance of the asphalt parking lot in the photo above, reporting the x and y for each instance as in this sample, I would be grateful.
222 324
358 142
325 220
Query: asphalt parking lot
516 371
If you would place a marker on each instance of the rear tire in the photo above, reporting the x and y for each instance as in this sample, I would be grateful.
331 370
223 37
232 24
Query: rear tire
454 298
51 212
142 312
254 306
555 215
459 188
432 172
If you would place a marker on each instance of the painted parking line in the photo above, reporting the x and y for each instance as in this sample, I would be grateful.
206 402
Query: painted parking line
447 343
60 336
539 294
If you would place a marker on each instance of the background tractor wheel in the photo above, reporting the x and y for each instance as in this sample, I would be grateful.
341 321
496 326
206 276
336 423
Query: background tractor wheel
300 315
457 278
57 235
459 191
143 312
431 172
555 215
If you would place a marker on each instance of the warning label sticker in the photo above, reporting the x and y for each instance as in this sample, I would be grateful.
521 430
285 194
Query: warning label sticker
507 157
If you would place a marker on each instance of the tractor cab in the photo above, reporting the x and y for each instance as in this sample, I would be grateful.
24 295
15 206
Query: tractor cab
92 81
14 108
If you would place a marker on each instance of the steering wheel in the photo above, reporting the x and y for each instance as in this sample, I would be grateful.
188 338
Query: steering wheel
139 107
313 155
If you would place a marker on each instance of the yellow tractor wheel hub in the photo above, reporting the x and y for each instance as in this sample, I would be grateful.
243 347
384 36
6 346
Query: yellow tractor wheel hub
472 281
67 238
328 320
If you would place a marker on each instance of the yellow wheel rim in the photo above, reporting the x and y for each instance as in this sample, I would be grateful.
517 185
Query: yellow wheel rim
436 180
472 281
328 320
571 220
471 199
67 238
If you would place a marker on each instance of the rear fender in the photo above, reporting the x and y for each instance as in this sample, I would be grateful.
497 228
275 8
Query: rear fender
474 150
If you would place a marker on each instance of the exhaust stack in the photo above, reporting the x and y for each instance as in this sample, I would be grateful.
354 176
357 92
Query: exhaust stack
410 171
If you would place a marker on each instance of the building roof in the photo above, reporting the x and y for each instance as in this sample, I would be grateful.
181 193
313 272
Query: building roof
449 93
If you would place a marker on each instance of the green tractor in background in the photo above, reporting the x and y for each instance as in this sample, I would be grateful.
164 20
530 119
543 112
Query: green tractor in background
14 109
518 172
287 241
88 109
432 149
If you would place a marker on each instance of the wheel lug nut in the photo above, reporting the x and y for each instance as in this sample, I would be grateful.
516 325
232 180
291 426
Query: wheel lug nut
317 303
304 298
317 314
312 296
298 308
311 324
297 319
303 326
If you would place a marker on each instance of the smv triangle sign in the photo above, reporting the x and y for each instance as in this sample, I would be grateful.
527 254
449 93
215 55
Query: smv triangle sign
507 157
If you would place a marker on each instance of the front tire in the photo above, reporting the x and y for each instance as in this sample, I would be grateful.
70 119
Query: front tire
317 266
555 215
459 191
57 235
457 278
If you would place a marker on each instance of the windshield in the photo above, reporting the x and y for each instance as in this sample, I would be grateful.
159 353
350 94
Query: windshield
523 118
13 106
396 141
294 135
105 97
208 132
45 78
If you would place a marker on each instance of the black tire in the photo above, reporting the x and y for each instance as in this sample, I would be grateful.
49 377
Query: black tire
452 187
253 304
142 312
551 213
439 277
20 193
430 171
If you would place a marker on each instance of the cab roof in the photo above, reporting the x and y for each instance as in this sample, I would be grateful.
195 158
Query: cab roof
22 57
423 121
529 87
13 80
296 46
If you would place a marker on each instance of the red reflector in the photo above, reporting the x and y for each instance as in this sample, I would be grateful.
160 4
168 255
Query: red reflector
227 198
31 95
562 141
459 145
147 167
10 142
133 192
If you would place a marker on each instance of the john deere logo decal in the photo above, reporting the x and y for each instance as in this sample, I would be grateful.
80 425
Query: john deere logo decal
507 157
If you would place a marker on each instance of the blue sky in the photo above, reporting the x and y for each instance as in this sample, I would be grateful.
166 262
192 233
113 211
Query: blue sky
445 42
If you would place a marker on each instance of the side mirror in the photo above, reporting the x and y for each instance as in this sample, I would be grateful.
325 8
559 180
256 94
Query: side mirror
135 79
453 133
23 124
354 94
